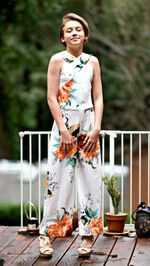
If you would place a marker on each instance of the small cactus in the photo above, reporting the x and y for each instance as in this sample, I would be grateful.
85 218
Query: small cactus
112 188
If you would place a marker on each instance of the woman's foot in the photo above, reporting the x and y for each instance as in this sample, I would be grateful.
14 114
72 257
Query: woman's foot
45 246
85 249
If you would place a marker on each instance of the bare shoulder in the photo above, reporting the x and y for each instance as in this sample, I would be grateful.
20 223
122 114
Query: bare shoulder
55 63
95 63
56 58
94 60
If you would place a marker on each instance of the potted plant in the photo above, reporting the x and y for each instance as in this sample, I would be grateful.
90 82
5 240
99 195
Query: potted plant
115 220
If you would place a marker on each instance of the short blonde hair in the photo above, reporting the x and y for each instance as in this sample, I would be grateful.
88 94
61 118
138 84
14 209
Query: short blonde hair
73 16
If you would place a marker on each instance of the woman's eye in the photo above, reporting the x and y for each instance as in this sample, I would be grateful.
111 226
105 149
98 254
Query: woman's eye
69 30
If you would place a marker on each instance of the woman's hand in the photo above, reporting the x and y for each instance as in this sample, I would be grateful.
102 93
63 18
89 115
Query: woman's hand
65 141
91 140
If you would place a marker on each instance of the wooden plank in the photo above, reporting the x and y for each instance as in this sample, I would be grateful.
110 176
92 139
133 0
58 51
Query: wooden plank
141 255
7 236
29 255
60 246
3 228
15 247
102 248
7 259
71 258
122 252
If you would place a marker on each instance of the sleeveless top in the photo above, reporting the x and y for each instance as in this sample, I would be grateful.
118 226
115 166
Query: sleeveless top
75 82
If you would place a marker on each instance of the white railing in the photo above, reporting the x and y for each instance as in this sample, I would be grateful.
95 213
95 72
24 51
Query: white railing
123 152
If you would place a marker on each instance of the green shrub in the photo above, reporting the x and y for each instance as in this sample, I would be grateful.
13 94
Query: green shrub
10 215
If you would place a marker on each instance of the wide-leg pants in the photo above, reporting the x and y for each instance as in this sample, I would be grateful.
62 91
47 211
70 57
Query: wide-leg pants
76 169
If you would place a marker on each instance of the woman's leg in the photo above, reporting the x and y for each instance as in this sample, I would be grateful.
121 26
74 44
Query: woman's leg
89 197
59 200
89 189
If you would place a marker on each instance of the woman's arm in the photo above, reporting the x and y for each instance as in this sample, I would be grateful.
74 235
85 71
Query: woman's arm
97 94
52 90
53 77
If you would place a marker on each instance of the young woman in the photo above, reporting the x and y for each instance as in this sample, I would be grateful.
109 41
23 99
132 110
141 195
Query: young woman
76 102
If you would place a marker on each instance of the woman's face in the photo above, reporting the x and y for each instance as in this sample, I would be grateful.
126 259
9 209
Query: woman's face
73 33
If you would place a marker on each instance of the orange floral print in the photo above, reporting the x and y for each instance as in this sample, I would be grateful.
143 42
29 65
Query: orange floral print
90 154
61 228
81 139
61 154
64 92
96 226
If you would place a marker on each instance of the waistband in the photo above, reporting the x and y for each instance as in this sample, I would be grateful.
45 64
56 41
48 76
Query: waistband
78 110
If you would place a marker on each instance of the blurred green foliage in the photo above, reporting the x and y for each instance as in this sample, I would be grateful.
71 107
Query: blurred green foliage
10 215
29 35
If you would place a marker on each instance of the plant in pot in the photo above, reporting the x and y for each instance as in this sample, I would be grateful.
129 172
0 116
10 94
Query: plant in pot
116 220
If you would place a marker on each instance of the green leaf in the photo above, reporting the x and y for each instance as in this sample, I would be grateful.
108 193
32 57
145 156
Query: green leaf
56 145
95 214
89 212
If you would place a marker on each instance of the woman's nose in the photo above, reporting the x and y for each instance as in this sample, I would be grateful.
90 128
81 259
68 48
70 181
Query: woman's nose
74 32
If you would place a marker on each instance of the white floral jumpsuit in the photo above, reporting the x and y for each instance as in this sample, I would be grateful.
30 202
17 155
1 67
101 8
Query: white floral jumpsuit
84 168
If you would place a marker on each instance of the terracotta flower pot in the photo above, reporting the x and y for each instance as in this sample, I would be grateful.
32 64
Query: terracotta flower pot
116 222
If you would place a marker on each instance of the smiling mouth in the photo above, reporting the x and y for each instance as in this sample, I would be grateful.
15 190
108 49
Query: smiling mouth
75 38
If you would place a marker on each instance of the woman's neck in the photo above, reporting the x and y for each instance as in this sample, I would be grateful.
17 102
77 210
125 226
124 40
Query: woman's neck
75 52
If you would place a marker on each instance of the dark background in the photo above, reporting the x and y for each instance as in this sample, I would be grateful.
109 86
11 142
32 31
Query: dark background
29 35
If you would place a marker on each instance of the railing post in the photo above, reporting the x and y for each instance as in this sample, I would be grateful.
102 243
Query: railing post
112 136
140 164
30 183
102 172
39 176
148 171
122 172
21 135
131 173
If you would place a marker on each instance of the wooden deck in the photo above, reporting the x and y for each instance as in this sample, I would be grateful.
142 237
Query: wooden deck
17 249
